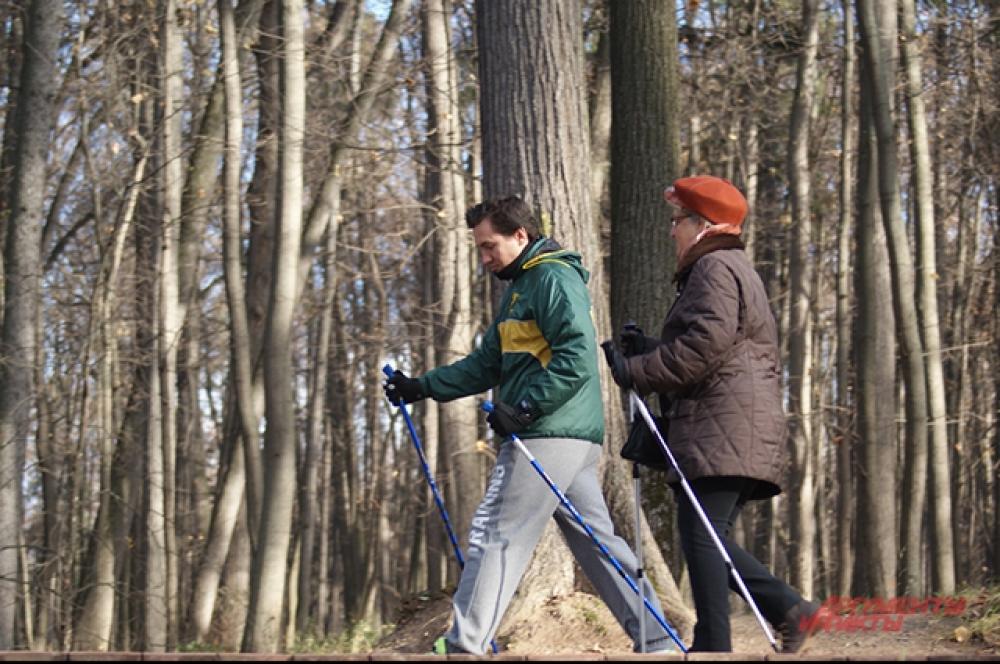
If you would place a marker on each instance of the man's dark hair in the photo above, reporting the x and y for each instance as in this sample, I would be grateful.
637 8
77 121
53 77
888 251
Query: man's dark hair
507 214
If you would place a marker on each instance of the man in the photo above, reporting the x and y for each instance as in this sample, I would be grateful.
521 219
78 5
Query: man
541 354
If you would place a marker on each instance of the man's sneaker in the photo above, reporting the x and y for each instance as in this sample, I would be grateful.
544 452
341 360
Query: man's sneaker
442 647
799 624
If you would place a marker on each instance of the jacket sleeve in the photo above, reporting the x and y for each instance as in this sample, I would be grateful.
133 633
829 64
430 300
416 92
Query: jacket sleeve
476 372
708 316
562 311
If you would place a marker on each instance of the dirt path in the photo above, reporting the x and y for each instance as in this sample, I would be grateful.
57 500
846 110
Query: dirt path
582 624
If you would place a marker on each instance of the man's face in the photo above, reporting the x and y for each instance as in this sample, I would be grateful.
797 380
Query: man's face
496 250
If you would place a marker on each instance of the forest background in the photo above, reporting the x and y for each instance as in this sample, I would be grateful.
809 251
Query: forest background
219 222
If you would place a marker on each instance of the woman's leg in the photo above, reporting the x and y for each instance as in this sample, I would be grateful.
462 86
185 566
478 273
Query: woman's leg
723 498
707 568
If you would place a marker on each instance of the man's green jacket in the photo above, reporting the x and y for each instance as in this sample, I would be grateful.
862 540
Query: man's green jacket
541 347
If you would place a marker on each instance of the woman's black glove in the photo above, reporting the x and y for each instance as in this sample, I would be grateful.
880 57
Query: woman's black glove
506 420
619 365
634 342
401 388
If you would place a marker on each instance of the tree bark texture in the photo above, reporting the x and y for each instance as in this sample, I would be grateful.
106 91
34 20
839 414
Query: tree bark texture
263 632
801 274
875 353
34 120
535 145
927 311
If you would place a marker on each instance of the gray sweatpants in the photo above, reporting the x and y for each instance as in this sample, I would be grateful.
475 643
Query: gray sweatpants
510 521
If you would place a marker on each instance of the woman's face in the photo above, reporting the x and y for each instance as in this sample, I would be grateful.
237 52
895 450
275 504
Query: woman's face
684 228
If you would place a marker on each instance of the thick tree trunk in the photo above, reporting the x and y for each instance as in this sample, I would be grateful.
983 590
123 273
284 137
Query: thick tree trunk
645 159
263 633
21 271
600 125
535 145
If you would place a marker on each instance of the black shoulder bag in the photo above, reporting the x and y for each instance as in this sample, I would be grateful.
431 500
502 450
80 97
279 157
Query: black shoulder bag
642 447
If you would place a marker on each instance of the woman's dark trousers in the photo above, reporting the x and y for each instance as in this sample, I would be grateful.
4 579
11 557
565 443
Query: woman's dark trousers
722 498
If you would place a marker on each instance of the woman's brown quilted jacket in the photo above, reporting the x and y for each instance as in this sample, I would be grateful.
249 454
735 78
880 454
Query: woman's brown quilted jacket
717 370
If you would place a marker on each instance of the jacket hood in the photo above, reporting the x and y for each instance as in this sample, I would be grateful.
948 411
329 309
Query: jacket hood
541 251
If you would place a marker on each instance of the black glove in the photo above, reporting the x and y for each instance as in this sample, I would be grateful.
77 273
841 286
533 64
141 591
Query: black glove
634 342
619 365
401 388
506 420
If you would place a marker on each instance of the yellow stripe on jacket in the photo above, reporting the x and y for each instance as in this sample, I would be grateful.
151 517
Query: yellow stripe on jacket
523 336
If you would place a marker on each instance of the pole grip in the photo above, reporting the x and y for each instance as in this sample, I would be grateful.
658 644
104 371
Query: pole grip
487 406
388 370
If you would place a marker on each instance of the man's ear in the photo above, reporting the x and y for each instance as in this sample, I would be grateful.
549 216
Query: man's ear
521 234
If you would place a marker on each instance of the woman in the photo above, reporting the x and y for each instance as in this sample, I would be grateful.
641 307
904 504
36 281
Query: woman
718 375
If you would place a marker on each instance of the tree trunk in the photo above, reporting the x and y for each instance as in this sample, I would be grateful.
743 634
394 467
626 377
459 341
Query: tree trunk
600 125
845 532
243 444
455 329
644 160
877 19
93 631
802 497
263 633
156 599
172 175
996 380
535 144
309 499
875 359
927 310
34 119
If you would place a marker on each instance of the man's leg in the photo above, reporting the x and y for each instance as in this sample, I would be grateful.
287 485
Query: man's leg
585 494
505 529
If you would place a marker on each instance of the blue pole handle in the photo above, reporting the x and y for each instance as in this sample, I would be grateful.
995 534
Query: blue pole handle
387 370
486 405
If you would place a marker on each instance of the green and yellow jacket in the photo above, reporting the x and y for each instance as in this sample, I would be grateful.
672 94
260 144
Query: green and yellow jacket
541 347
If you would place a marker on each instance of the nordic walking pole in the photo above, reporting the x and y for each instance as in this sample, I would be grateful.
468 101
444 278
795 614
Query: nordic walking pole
488 407
637 493
388 371
639 572
636 402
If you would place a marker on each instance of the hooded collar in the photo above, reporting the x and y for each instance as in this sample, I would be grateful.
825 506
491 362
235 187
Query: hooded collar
542 245
705 245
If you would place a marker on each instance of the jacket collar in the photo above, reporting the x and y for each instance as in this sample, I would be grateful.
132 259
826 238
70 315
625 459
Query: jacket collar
703 247
518 265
